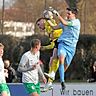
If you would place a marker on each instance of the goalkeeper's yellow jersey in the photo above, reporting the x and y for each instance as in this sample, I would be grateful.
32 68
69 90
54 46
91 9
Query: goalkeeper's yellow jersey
49 30
55 33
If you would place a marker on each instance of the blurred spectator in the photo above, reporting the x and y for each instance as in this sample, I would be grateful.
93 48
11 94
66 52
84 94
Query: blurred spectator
11 72
93 73
19 76
94 67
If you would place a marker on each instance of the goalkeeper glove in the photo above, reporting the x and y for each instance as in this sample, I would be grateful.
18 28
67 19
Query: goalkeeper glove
51 9
55 12
46 15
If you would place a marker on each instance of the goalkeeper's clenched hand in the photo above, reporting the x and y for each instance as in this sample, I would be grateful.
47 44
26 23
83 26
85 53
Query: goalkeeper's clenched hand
55 12
51 9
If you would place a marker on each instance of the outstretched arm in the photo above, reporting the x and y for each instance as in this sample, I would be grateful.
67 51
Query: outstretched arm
63 21
41 72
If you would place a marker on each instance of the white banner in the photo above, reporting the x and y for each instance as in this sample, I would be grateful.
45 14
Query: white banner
72 89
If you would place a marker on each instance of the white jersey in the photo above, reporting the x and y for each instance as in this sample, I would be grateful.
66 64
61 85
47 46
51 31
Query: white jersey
29 59
2 75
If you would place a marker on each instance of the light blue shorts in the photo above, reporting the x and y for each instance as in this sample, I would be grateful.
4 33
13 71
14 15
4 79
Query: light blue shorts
67 51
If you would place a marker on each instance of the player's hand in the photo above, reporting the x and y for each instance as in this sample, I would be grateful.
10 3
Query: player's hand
51 9
40 62
44 80
34 67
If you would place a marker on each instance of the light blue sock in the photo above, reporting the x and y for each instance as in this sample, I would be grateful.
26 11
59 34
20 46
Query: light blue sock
61 72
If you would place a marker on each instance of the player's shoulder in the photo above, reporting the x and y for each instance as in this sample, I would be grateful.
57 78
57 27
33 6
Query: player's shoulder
27 53
76 20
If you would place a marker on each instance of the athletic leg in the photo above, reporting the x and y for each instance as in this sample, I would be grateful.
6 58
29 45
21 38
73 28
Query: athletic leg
53 67
62 55
61 71
34 94
65 54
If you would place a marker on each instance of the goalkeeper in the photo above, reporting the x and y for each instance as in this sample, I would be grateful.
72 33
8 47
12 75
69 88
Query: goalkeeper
44 24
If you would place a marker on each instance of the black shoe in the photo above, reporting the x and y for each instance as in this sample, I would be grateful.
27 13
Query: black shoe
63 85
91 80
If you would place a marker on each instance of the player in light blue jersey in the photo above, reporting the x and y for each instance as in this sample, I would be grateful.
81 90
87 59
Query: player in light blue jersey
68 40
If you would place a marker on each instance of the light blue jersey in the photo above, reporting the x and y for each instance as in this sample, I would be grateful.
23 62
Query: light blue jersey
67 43
70 33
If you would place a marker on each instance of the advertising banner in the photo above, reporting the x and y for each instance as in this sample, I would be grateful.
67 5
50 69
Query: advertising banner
72 89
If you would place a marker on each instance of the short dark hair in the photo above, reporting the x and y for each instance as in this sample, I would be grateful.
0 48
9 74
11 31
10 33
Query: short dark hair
73 10
41 19
34 43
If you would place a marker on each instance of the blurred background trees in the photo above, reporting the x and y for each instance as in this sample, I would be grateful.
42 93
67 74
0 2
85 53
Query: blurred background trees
30 10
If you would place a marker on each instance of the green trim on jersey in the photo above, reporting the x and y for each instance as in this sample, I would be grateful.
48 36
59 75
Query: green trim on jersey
70 23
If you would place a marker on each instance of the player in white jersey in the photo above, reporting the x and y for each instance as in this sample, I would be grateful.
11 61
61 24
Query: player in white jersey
4 90
30 67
